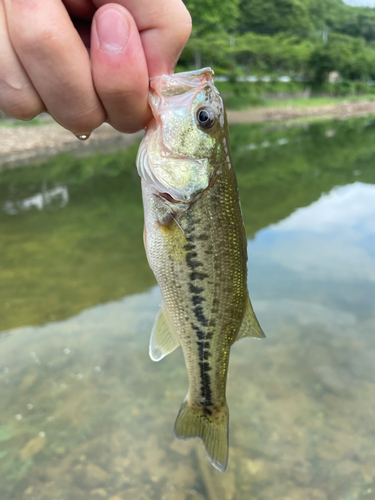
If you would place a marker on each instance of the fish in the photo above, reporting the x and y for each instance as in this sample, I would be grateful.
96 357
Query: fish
196 246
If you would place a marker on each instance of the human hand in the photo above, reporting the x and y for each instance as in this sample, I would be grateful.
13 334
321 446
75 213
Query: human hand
45 65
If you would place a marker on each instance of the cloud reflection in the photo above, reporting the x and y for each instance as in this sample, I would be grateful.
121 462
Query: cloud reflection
332 239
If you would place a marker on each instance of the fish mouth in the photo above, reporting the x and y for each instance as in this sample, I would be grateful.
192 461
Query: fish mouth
177 85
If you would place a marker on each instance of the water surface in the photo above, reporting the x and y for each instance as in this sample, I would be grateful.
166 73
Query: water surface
85 413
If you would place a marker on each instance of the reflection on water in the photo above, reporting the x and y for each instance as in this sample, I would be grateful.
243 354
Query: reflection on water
84 412
57 196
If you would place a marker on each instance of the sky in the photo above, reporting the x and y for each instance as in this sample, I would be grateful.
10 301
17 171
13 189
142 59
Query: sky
367 3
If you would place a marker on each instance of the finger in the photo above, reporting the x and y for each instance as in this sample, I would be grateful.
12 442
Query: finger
18 98
164 26
56 61
119 68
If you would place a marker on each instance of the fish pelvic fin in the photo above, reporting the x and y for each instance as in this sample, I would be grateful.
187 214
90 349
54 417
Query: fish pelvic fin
163 339
194 422
250 326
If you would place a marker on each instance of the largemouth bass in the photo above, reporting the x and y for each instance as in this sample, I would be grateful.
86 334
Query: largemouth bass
196 246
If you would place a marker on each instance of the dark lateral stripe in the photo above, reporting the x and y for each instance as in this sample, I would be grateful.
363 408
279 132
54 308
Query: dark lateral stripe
197 299
195 289
201 350
198 276
198 311
193 264
204 366
203 237
198 331
189 247
205 384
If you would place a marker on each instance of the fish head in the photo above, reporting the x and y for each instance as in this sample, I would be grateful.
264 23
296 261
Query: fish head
183 146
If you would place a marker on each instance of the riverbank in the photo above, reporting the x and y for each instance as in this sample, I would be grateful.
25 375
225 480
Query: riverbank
339 111
21 145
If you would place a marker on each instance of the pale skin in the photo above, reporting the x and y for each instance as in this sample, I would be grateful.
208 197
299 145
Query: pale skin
86 62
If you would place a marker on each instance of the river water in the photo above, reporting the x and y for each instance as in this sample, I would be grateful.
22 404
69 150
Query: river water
85 414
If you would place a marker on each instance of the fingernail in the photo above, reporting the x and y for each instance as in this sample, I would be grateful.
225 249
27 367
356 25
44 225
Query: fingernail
112 29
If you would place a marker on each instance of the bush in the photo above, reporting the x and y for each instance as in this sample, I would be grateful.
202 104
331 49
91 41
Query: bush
362 88
344 88
242 101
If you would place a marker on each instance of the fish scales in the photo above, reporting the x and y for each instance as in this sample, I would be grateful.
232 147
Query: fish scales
196 246
203 282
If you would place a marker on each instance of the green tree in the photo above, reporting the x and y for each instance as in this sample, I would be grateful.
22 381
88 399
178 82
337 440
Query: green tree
361 25
278 53
349 56
270 16
328 13
211 15
210 18
211 49
282 36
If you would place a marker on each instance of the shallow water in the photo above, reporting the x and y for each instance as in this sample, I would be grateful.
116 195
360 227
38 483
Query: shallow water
84 412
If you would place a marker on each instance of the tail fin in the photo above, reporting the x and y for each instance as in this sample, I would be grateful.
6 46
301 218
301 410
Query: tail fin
194 422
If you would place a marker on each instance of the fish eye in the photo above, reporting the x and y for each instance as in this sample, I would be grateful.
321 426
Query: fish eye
206 117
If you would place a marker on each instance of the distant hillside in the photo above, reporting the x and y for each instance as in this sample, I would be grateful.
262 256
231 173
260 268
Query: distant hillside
307 38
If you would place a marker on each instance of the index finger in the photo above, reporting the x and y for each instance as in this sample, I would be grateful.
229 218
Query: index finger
164 27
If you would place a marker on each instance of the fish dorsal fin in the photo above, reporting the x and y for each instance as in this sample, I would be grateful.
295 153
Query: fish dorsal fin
250 326
163 339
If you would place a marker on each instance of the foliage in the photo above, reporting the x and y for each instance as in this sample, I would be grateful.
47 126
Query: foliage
208 14
349 56
270 16
308 38
362 25
329 13
280 52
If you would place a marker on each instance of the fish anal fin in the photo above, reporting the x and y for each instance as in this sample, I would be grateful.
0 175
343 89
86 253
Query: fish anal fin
250 326
163 339
194 422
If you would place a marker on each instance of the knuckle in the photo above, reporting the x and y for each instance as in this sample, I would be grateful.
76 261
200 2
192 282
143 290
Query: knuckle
184 33
83 122
186 23
25 109
31 39
131 120
120 96
126 129
18 97
182 29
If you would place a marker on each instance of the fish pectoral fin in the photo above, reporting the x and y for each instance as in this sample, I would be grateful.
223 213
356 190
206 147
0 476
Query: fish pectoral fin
250 326
163 339
195 422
